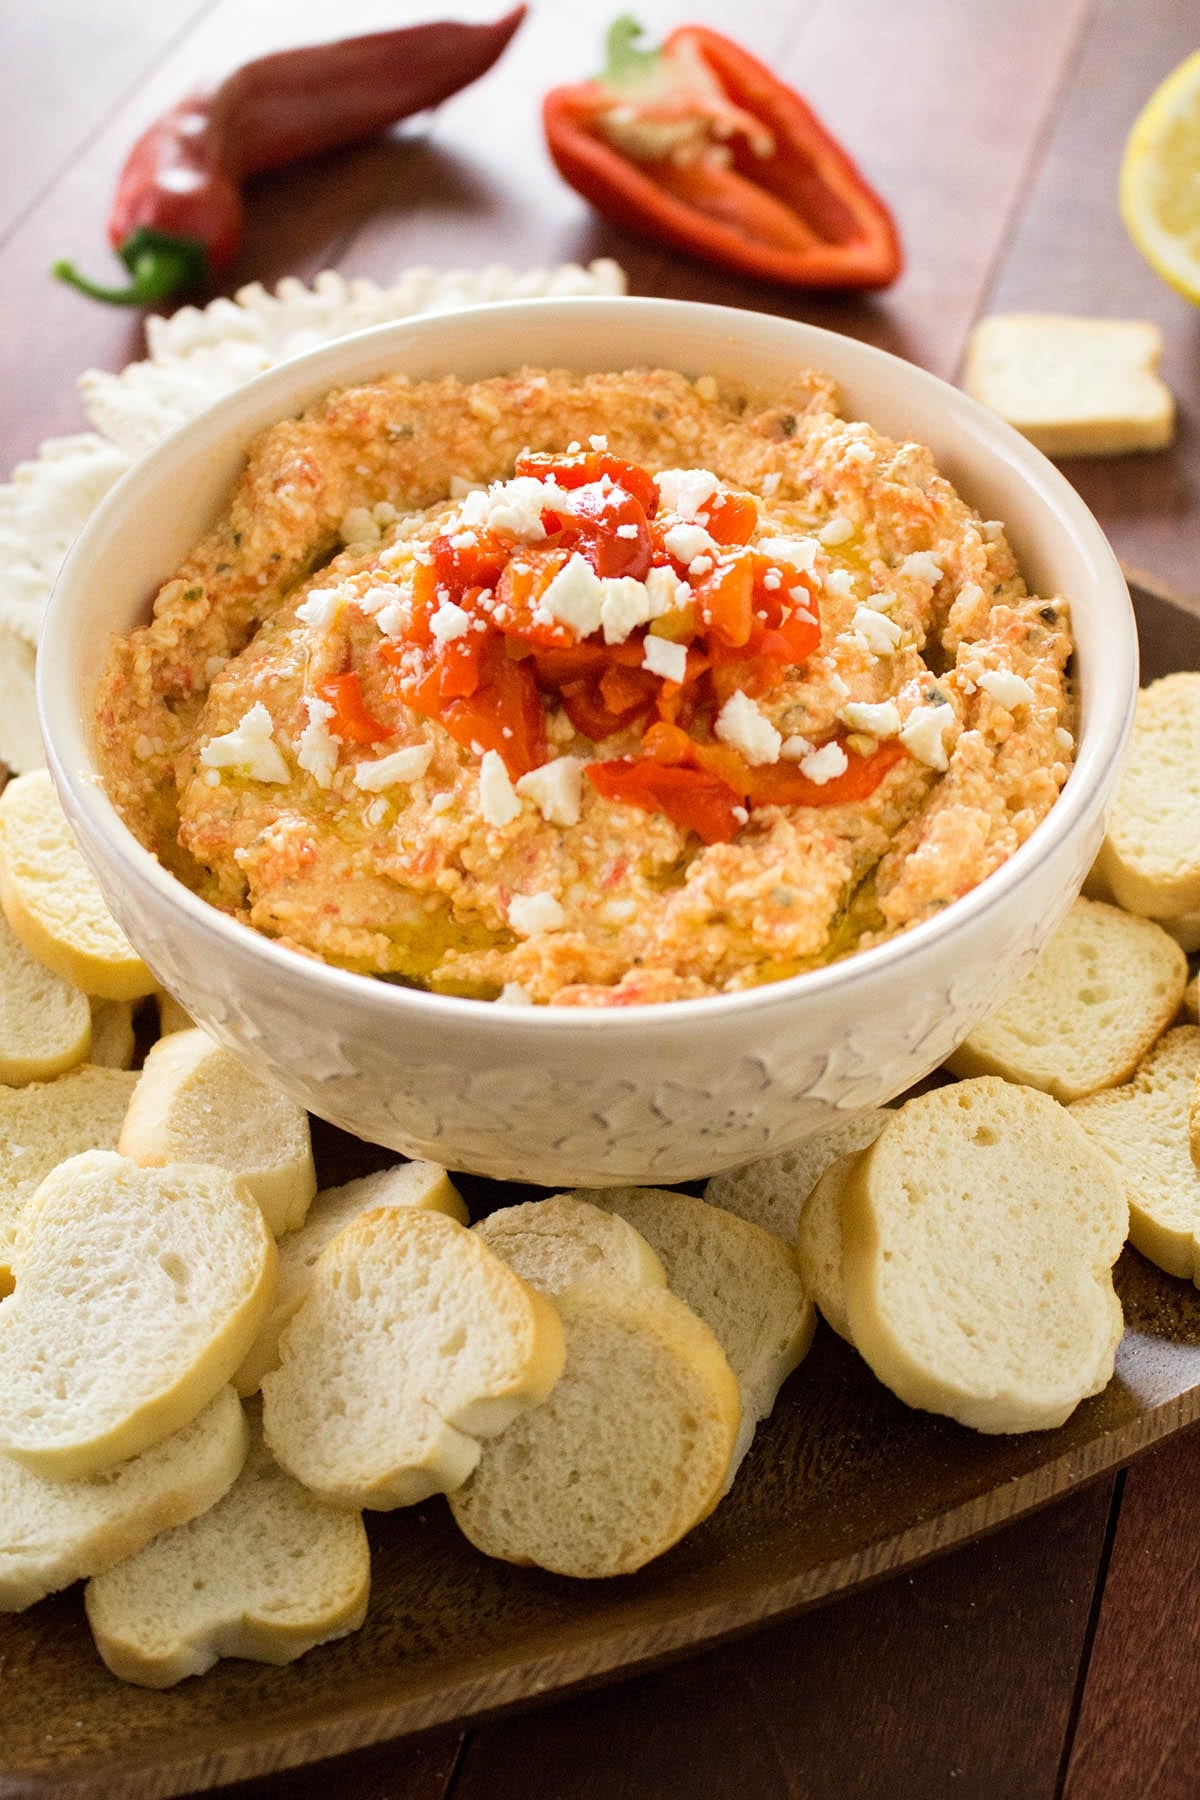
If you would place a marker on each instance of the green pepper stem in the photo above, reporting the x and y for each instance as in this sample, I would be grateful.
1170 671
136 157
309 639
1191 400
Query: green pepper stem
157 270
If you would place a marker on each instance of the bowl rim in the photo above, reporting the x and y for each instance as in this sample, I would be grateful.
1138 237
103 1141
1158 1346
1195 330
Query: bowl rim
73 765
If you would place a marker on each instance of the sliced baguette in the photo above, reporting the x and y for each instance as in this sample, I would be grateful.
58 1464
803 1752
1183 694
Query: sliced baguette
51 899
741 1280
556 1243
45 1022
44 1124
171 1015
1105 988
1150 856
55 1532
1073 386
422 1184
138 1293
1143 1126
978 1237
819 1245
267 1573
113 1041
772 1191
413 1344
629 1452
196 1102
1191 1000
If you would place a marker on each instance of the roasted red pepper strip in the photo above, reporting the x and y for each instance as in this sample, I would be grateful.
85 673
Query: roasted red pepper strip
700 146
177 215
352 723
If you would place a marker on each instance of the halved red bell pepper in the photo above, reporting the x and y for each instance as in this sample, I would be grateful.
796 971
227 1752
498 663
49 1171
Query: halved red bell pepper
700 146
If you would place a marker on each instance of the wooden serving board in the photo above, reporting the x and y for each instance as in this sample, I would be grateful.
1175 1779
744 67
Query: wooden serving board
844 1485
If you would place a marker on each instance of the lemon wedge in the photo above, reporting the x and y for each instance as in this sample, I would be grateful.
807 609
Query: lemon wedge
1160 179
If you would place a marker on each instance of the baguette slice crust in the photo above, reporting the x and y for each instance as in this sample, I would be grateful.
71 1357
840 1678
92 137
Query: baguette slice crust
554 1244
55 1532
772 1191
1073 386
267 1573
138 1293
1104 989
44 1124
1150 857
45 1022
414 1343
741 1280
197 1103
51 899
1143 1126
819 1245
422 1184
629 1452
978 1237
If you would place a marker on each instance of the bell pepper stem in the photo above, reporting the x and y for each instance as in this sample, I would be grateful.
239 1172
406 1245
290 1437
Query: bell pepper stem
159 265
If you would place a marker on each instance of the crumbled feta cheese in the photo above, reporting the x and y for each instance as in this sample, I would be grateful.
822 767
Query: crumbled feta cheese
449 622
686 541
880 634
624 603
741 725
402 765
969 594
359 527
795 748
837 531
924 732
379 595
250 748
879 721
316 747
771 580
321 607
441 803
1006 688
770 483
990 530
531 914
464 540
858 452
825 764
684 491
664 658
797 553
575 597
923 567
626 531
497 798
515 507
839 583
741 814
700 565
474 509
598 441
376 813
556 789
1063 738
619 911
837 685
393 619
212 777
665 592
513 994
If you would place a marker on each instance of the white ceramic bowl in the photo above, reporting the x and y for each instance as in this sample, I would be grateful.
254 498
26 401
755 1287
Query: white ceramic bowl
566 1097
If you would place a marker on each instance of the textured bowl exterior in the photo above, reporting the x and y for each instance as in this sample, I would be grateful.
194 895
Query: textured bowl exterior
642 1094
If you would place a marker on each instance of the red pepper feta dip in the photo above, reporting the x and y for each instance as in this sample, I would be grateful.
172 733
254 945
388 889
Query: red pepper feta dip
588 690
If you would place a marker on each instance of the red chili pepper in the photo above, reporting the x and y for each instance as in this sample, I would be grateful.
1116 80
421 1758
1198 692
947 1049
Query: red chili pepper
177 215
700 146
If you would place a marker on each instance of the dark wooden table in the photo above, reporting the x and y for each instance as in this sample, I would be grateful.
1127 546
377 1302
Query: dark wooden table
1060 1655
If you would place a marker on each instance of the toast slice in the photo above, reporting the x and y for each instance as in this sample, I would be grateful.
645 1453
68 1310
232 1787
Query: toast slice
978 1237
44 1124
45 1022
52 901
266 1573
1150 857
819 1245
628 1453
772 1191
196 1102
1103 991
55 1532
138 1293
1143 1126
413 1344
422 1184
1073 386
738 1278
554 1244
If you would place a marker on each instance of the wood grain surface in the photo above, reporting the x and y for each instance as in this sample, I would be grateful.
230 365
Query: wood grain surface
1059 1655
